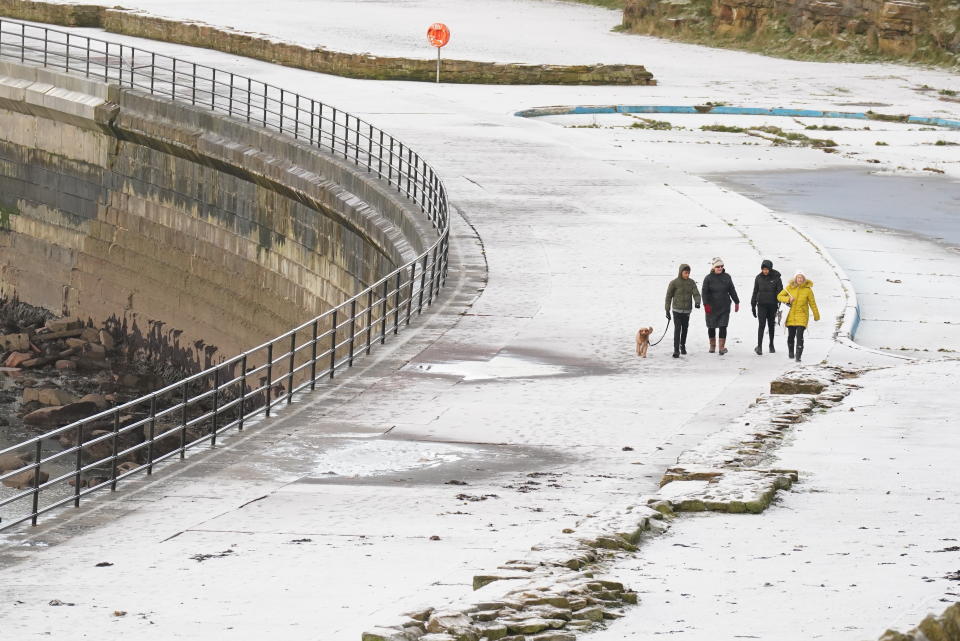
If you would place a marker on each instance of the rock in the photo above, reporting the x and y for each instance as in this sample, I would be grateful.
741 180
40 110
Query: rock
95 352
15 342
128 380
125 467
25 480
63 324
65 366
99 399
76 342
106 339
553 636
391 634
419 615
58 416
593 613
463 633
48 396
493 631
437 637
440 621
90 334
529 626
10 462
17 359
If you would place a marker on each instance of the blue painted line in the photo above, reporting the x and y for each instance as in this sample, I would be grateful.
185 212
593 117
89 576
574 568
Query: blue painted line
733 111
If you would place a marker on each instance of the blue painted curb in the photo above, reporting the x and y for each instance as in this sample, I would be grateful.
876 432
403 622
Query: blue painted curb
734 111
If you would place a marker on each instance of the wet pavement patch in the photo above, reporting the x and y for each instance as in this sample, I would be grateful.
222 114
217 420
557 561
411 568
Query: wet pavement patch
925 205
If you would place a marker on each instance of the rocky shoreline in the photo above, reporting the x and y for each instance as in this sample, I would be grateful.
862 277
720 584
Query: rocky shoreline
54 371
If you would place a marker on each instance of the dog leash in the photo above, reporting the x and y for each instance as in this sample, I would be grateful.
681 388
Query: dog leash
664 334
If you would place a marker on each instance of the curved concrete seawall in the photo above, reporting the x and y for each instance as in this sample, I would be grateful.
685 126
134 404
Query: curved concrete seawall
198 234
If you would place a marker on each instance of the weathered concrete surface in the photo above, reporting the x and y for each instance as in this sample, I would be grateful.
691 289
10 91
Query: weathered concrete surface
178 225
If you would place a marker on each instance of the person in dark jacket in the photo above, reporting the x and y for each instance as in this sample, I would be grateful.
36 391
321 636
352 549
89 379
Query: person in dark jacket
718 291
681 294
764 302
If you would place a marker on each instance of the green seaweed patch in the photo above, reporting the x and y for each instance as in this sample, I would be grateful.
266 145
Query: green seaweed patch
5 213
873 115
648 123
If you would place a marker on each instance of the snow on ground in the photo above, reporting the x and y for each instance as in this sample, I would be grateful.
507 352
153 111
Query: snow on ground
863 543
580 234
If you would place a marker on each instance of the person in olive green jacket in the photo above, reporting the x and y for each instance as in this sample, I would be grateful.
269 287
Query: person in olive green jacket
798 294
681 294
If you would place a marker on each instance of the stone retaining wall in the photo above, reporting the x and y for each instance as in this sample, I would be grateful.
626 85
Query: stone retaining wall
351 65
925 31
198 235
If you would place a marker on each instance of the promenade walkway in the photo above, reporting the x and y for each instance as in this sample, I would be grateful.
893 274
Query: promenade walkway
521 386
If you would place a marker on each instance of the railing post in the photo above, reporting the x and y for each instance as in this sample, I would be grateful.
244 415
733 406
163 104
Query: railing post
116 448
333 343
153 428
383 311
396 304
290 366
269 388
413 278
353 329
433 275
243 392
37 456
78 473
183 421
369 319
423 284
313 355
216 406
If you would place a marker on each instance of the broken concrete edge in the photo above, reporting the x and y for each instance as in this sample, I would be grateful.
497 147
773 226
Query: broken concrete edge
551 594
945 627
351 65
726 472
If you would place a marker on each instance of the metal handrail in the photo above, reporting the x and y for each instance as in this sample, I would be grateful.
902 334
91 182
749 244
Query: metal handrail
166 423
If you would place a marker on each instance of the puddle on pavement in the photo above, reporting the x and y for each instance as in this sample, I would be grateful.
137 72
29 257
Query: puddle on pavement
924 205
507 364
498 367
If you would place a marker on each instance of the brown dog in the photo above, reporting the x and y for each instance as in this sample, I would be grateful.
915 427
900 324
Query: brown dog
643 341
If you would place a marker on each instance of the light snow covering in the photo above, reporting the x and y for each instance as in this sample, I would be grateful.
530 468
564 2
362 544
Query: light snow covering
581 229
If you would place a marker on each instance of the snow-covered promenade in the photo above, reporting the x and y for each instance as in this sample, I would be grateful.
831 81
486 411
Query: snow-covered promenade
522 385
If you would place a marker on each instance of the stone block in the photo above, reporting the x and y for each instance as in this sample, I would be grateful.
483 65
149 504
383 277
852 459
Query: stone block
16 342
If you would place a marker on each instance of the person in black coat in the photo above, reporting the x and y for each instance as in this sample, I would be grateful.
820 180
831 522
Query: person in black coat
764 302
717 291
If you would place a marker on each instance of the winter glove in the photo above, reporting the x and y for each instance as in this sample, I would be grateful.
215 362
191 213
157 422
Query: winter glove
668 315
706 307
736 307
754 310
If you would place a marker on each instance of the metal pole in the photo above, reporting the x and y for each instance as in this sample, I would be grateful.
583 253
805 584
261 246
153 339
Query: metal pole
438 65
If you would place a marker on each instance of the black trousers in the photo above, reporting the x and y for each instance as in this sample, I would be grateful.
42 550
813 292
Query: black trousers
795 332
712 332
766 315
681 323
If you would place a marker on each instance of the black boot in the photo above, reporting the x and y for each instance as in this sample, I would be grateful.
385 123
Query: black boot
683 349
759 350
676 354
790 350
772 351
799 352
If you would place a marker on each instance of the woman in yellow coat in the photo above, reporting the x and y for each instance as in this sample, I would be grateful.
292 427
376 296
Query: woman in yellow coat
798 294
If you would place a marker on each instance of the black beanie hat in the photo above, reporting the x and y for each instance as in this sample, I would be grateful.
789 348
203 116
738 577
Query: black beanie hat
766 263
